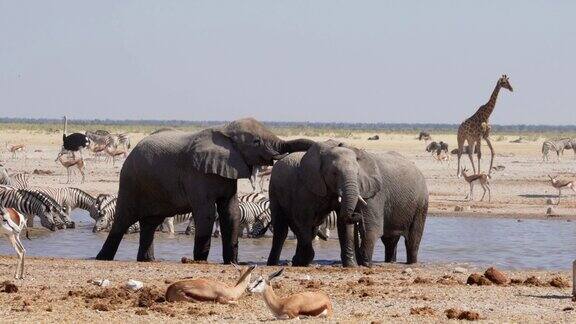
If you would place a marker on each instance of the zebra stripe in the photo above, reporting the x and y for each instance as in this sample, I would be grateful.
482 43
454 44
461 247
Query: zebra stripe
70 198
557 145
252 197
329 224
30 203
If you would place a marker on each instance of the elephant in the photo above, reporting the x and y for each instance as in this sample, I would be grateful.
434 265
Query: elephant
174 172
385 197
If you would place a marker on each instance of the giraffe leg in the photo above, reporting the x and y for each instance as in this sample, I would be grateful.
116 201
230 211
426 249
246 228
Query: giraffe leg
460 149
479 154
491 154
472 148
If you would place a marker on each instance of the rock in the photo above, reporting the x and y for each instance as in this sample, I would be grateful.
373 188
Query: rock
474 279
460 270
407 271
559 282
455 313
534 281
101 282
366 280
420 280
8 287
134 285
425 311
549 202
496 276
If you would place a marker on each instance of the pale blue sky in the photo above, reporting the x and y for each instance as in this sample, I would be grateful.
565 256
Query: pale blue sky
356 61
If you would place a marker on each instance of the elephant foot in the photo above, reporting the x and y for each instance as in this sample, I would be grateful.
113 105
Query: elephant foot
104 256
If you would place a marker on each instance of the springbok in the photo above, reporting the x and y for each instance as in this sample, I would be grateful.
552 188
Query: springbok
113 152
15 148
562 184
306 303
71 162
198 290
12 225
482 178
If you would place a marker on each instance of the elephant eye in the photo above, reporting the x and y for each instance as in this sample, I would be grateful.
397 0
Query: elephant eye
257 142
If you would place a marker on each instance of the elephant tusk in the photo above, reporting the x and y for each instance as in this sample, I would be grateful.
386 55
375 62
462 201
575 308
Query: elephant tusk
362 200
339 199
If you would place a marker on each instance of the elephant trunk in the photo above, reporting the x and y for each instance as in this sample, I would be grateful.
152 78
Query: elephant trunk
297 145
349 195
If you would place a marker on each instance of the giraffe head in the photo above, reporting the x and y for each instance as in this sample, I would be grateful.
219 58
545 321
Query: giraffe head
504 82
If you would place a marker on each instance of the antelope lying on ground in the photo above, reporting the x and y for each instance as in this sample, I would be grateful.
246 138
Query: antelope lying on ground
12 224
482 178
294 306
562 184
68 162
198 290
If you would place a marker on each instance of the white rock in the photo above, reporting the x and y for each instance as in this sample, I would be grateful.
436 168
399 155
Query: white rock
307 277
460 270
134 285
101 282
407 271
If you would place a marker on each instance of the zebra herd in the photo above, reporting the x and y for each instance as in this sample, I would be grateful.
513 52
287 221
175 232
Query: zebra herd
54 205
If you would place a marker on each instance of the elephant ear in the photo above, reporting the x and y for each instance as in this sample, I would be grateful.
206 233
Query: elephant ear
368 175
214 152
309 171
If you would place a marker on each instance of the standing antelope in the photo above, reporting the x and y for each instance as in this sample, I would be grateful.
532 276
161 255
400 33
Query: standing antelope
197 290
562 184
70 162
482 178
307 303
12 224
16 148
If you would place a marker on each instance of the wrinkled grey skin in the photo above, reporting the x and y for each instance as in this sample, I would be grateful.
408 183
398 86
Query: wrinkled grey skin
304 188
172 172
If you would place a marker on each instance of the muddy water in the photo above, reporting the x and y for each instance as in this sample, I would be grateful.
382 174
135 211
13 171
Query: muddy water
507 243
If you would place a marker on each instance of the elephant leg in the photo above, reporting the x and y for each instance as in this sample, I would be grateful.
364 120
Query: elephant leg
367 247
304 250
229 215
280 226
203 222
147 229
123 220
346 239
414 237
390 244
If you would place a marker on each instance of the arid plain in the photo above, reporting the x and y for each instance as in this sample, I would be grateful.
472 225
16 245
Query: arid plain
57 289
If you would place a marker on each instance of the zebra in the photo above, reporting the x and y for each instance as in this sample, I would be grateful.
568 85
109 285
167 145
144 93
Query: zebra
262 223
18 180
70 198
250 212
328 225
104 211
557 145
30 202
252 197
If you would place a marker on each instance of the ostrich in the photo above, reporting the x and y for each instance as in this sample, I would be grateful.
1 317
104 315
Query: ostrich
73 142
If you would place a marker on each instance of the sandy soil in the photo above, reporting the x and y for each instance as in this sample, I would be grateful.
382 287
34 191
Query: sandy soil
57 290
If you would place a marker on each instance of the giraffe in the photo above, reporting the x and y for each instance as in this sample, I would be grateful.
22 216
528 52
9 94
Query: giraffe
477 127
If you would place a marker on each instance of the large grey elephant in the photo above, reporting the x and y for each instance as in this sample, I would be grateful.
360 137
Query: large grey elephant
172 172
385 195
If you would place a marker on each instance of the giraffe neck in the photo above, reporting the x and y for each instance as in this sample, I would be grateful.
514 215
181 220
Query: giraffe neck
485 111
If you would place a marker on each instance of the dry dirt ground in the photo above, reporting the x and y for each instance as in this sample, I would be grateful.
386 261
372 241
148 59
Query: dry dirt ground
58 290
